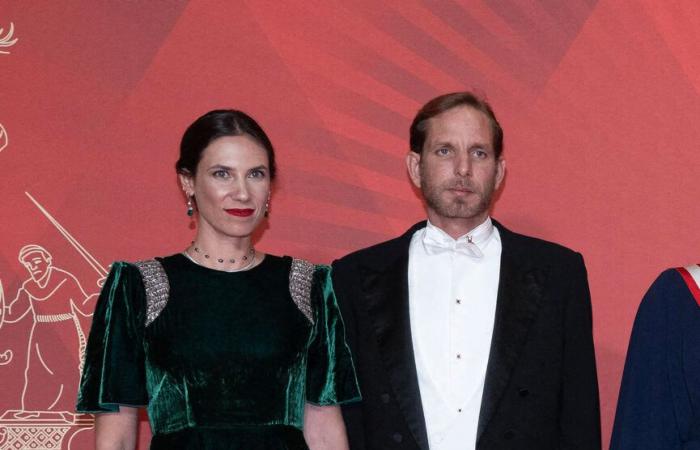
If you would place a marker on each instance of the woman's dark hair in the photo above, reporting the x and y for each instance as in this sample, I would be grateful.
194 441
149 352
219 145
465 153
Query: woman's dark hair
216 124
445 102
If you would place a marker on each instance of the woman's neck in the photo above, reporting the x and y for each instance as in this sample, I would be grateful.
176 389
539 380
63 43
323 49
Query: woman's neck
228 253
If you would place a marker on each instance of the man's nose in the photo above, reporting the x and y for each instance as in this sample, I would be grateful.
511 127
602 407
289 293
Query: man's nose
463 164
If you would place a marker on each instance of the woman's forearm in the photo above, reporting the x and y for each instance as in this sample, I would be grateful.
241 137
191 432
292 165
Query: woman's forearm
324 428
117 431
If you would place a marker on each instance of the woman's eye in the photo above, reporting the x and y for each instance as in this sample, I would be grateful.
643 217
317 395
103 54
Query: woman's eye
257 173
220 173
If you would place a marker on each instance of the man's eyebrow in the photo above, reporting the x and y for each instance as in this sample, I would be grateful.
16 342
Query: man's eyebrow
443 144
482 145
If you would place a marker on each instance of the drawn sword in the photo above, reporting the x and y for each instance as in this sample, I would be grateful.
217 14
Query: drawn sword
101 271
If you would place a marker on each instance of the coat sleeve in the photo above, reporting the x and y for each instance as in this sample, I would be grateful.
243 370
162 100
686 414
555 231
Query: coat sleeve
645 417
352 412
580 410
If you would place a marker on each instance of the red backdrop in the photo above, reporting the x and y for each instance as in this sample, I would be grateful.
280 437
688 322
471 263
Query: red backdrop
599 102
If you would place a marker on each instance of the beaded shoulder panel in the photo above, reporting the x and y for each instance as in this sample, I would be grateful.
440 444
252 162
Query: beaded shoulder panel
300 277
157 287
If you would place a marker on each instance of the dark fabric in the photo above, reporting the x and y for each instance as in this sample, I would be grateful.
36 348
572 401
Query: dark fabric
541 385
239 438
229 350
114 372
659 403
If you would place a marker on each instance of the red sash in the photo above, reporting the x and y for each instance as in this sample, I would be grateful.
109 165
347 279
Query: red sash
691 276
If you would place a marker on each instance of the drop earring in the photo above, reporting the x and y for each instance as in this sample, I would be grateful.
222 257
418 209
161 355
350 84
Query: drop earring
267 207
190 206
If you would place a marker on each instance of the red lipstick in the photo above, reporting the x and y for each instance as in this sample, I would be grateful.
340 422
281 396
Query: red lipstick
240 212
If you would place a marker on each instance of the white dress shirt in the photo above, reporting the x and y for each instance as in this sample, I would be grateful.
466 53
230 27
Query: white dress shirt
452 287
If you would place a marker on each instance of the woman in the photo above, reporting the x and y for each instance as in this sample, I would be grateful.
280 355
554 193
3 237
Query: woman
228 347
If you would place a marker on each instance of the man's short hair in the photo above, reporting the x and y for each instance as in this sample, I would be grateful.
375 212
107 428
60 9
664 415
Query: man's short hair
446 102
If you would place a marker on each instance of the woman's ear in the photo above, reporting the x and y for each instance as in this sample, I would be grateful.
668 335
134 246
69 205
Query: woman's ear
187 184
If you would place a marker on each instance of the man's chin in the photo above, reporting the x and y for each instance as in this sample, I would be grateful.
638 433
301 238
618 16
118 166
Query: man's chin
463 212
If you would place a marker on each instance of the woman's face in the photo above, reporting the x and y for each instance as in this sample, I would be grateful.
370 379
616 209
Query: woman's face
231 186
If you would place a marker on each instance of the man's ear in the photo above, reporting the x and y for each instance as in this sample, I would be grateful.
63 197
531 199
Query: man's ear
413 166
500 171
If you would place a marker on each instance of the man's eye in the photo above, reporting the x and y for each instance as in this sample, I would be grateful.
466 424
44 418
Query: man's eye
220 173
479 153
442 151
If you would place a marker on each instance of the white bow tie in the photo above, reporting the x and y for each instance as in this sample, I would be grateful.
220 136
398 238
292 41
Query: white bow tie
436 243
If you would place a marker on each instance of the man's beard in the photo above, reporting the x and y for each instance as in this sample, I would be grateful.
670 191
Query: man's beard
458 207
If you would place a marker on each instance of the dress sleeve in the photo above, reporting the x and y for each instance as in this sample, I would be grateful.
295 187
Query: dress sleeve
114 369
331 376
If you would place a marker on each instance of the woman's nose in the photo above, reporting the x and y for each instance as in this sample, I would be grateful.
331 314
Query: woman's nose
241 190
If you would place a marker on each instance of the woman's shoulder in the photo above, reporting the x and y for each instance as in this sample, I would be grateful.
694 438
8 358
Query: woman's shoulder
306 267
291 261
146 273
123 264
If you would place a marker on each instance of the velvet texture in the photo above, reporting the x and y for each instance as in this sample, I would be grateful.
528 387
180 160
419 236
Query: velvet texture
229 358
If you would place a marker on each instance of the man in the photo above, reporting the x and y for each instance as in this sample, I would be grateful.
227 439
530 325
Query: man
660 391
54 299
465 334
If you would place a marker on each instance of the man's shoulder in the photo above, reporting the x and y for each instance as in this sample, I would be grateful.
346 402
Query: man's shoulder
381 253
376 252
533 247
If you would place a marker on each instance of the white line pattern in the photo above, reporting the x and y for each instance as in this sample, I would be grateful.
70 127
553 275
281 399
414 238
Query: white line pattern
7 40
4 138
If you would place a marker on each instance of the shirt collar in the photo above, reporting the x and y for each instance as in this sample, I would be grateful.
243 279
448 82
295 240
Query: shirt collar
479 235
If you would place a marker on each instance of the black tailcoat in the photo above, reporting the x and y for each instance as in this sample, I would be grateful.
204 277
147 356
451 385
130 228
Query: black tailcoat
541 389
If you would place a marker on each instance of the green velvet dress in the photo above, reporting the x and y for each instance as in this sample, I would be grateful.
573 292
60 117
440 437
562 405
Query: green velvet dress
224 360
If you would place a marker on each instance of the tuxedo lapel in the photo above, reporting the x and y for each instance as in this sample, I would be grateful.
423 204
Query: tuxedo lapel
519 296
385 291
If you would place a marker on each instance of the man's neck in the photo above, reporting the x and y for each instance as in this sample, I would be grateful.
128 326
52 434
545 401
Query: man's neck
456 227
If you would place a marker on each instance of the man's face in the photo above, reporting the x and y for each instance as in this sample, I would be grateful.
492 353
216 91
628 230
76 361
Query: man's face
37 264
457 171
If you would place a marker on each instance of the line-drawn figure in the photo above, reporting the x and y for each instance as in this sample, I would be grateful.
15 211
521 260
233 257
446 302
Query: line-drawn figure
4 138
7 41
6 356
53 298
55 301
